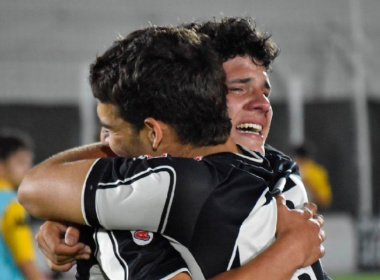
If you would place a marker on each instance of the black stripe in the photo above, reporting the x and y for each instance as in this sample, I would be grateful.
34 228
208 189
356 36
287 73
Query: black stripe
218 226
168 198
90 194
318 271
304 277
236 262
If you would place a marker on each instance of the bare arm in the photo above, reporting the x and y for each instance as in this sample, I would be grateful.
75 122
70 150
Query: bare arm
30 270
298 244
52 190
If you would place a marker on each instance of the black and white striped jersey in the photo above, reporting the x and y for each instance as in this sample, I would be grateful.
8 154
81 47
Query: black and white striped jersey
217 211
132 255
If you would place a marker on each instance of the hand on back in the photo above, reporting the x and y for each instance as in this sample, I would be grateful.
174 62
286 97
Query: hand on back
61 254
302 229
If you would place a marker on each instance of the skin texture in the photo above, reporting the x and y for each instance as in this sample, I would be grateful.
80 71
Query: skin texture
120 134
15 167
248 102
297 231
303 234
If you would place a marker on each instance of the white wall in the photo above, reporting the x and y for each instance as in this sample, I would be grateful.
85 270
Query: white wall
44 43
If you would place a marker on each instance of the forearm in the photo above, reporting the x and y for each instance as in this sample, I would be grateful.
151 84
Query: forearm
52 189
275 263
91 151
30 271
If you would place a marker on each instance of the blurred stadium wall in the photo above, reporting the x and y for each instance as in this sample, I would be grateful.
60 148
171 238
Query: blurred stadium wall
46 46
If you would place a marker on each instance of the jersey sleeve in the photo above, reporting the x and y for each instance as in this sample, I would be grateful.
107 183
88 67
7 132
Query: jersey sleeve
17 233
128 194
294 190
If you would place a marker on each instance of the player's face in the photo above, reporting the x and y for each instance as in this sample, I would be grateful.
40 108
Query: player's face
16 166
117 133
248 102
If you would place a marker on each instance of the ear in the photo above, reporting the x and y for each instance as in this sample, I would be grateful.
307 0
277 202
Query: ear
154 132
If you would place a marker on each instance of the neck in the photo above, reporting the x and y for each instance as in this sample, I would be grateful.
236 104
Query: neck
190 151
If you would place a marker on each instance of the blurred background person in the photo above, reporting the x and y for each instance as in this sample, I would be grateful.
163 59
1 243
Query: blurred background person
314 176
17 252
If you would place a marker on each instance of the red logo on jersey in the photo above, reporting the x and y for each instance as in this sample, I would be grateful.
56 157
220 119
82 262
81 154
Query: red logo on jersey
165 155
142 235
198 158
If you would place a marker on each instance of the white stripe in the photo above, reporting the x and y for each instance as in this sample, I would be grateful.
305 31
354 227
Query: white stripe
83 190
138 205
118 255
255 157
126 180
297 194
232 257
195 270
258 230
171 275
106 257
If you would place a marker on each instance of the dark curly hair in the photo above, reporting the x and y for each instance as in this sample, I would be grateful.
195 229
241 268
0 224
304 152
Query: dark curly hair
236 36
170 74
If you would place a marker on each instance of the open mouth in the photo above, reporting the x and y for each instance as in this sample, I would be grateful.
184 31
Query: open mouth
250 128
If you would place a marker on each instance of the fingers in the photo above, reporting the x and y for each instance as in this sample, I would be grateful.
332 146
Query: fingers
322 235
320 219
72 236
59 255
311 207
322 251
59 268
280 199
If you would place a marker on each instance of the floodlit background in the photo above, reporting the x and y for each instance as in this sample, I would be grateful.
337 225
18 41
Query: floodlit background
326 88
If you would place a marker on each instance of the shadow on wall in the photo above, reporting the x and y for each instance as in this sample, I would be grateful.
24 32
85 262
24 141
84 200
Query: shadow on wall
53 128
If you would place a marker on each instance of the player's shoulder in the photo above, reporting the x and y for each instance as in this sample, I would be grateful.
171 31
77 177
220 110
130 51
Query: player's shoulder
270 151
278 160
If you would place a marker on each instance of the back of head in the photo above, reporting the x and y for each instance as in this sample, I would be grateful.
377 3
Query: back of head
170 74
16 155
235 36
12 141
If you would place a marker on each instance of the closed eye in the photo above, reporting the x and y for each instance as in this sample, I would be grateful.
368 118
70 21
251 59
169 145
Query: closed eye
235 89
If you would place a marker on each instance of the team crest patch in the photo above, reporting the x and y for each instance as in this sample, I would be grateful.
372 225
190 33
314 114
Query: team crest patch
142 237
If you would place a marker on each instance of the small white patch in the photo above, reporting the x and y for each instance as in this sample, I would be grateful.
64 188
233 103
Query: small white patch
142 237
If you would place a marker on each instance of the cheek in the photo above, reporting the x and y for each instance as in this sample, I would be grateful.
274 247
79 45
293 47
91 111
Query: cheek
269 121
114 144
21 166
232 108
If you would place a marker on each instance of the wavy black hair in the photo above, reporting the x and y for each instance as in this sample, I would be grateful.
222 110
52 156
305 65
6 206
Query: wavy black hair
170 74
236 36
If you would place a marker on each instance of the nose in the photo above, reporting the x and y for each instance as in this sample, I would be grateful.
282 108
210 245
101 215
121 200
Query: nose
257 100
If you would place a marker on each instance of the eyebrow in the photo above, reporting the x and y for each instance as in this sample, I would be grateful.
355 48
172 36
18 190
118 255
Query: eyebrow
104 125
246 80
240 81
